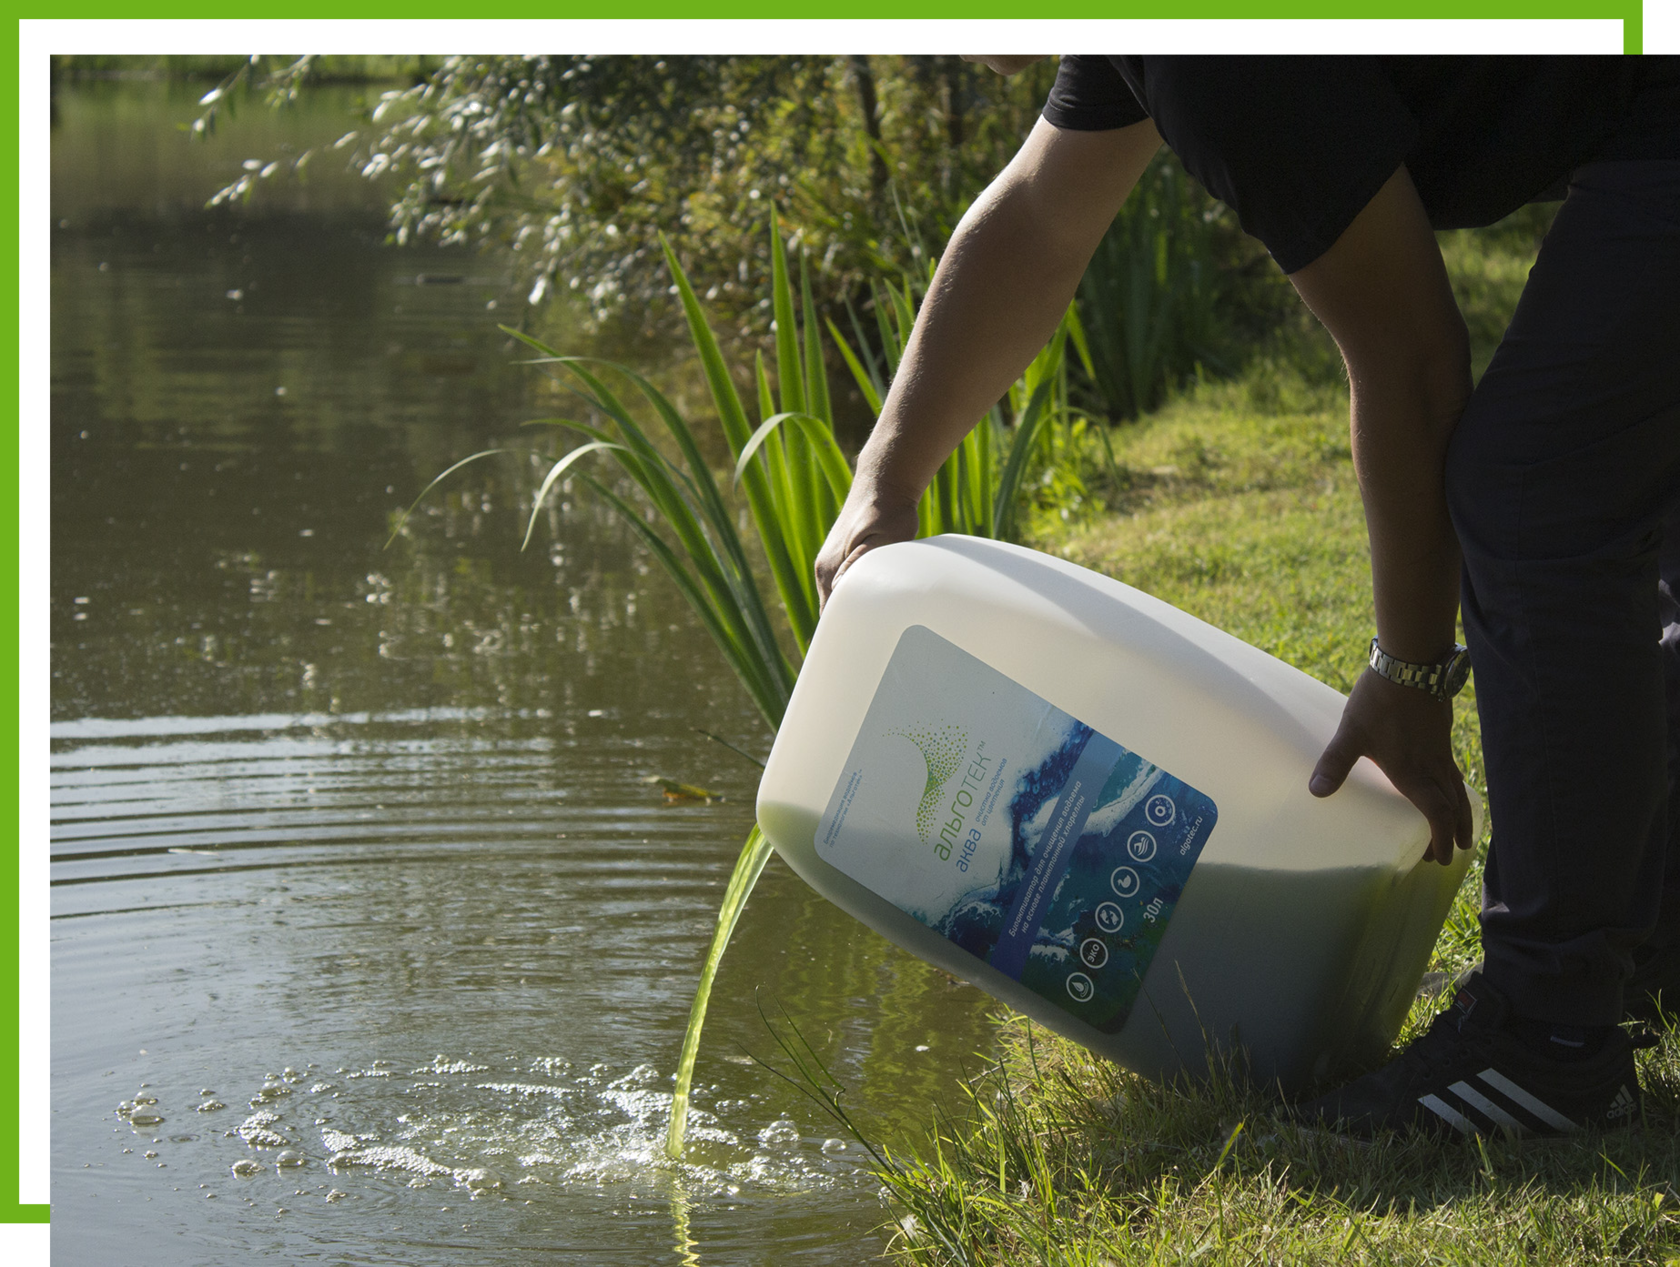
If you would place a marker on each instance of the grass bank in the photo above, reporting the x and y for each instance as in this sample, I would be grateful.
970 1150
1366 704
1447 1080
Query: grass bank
1237 502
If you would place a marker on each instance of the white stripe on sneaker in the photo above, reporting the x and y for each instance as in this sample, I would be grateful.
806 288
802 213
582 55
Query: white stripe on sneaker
1475 1100
1454 1118
1545 1112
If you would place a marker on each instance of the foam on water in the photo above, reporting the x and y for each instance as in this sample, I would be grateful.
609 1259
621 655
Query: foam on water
445 1124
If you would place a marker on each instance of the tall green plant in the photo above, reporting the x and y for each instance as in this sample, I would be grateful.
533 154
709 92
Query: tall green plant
793 476
977 491
1149 298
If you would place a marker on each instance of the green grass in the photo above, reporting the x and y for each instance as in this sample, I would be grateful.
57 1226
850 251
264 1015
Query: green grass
1238 503
1056 1157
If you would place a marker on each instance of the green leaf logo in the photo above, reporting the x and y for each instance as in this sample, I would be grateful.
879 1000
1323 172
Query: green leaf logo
943 749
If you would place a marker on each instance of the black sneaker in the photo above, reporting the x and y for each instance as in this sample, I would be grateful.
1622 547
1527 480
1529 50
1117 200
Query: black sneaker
1473 1074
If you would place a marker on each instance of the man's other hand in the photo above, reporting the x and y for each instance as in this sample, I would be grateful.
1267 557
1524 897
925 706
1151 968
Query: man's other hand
1408 734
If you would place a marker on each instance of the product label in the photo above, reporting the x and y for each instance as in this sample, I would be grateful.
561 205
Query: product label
1013 829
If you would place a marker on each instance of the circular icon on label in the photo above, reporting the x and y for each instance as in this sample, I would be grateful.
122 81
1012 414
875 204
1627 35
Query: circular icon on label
1125 882
1160 810
1109 916
1141 845
1093 952
1079 987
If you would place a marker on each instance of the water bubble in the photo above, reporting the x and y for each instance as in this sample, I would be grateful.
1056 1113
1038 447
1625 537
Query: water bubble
150 1153
289 1157
336 1195
244 1168
145 1099
256 1131
443 1064
640 1076
209 1106
478 1182
145 1117
780 1132
834 1145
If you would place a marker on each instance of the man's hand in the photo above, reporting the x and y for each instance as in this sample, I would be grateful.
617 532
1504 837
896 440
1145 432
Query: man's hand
1407 733
867 522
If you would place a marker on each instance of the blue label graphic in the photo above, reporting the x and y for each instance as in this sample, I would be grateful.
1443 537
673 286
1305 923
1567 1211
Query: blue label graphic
1055 854
1035 843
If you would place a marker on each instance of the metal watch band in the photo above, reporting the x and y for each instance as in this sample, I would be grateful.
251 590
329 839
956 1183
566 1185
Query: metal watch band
1443 680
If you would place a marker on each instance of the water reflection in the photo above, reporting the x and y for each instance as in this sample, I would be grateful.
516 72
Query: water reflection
353 842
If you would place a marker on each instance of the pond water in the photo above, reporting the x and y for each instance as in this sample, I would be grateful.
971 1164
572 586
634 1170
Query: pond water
353 861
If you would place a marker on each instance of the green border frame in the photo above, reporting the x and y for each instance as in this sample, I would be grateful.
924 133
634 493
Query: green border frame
1630 12
11 1150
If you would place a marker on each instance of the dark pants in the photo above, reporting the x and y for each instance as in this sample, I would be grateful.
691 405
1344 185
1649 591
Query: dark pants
1564 483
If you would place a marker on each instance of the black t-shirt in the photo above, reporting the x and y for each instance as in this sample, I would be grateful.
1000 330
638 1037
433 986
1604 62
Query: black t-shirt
1298 145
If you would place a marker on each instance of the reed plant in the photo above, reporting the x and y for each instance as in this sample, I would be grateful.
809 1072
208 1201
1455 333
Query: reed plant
790 470
1151 295
978 490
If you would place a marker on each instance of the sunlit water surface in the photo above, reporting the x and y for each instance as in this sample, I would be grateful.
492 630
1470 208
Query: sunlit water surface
370 943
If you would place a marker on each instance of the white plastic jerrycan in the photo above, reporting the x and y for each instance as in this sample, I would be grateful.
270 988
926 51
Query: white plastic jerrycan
1095 807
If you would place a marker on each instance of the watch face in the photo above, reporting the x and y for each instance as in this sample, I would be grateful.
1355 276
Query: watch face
1458 673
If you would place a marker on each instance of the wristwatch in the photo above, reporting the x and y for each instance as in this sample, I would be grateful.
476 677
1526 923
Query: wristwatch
1443 680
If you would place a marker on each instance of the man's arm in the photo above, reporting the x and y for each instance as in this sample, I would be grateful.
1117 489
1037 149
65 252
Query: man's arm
1382 292
1004 282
